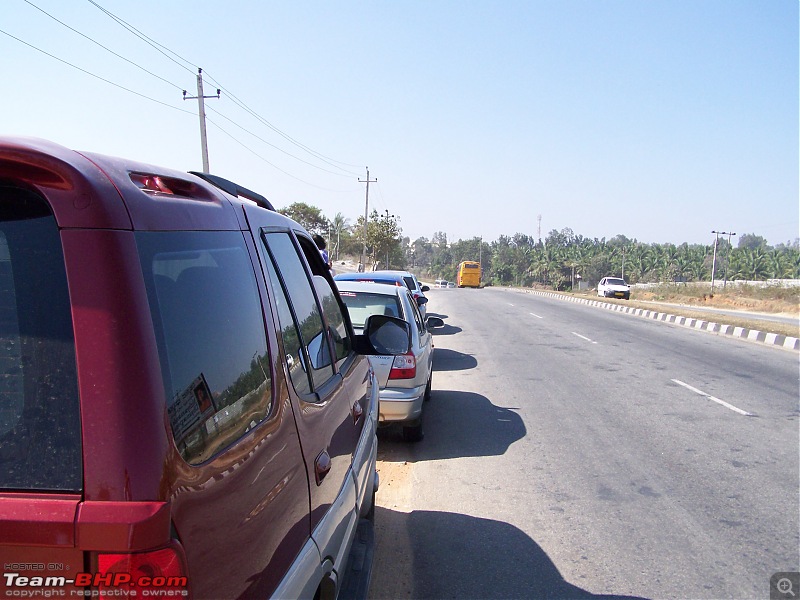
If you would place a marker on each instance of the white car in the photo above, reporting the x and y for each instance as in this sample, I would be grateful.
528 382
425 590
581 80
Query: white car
405 379
613 287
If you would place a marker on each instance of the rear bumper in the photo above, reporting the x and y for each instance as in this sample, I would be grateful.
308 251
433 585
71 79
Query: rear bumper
400 404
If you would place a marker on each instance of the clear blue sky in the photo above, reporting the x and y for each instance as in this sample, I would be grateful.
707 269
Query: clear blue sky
660 120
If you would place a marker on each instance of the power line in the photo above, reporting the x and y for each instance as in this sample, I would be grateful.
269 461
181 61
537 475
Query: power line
274 166
236 100
108 81
145 38
286 136
101 45
259 138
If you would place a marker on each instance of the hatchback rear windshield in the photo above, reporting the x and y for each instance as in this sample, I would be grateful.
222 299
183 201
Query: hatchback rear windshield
40 434
363 305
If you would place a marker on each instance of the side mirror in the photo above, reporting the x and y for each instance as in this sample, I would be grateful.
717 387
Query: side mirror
421 300
434 322
425 288
388 335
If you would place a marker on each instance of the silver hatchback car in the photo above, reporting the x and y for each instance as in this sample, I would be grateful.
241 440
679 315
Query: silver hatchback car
404 379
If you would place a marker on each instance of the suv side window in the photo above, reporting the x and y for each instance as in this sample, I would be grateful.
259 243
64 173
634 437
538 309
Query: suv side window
40 428
308 351
210 331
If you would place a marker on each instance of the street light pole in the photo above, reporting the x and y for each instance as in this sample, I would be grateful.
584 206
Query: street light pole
714 259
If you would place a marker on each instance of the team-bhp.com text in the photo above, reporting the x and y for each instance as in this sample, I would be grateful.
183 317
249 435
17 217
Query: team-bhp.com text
87 584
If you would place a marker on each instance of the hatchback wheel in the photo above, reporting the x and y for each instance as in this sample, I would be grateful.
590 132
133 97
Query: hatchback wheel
427 395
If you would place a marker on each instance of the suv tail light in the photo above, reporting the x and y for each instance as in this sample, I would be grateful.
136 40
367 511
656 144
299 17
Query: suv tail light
404 366
160 572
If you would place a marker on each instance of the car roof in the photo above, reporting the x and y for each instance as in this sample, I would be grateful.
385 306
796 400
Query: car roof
369 287
118 193
373 276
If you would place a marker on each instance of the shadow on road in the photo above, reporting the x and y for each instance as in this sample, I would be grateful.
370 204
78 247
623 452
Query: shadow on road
448 555
446 330
440 315
456 424
452 360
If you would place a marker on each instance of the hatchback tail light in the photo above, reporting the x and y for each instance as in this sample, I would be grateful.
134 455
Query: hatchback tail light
160 572
404 366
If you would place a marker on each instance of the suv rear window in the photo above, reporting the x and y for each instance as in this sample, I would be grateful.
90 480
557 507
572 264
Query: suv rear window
40 430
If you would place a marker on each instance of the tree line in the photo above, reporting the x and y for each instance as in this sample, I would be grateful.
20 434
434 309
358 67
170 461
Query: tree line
559 261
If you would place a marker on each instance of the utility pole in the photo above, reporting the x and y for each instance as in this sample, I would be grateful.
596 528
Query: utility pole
714 259
728 264
202 111
363 263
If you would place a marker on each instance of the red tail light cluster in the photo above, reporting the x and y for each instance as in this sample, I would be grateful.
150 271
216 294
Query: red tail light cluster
404 366
163 570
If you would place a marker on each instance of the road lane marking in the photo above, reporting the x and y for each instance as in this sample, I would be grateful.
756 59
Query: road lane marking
583 337
710 397
537 316
510 304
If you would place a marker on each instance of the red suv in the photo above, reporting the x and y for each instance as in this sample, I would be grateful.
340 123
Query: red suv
184 407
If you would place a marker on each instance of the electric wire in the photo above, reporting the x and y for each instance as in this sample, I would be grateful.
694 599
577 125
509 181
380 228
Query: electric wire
102 46
209 108
274 166
161 48
103 79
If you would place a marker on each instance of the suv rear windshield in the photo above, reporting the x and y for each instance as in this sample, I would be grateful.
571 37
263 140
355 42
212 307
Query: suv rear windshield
40 432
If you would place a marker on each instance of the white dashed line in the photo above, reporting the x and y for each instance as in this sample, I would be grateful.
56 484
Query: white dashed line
583 337
537 316
710 397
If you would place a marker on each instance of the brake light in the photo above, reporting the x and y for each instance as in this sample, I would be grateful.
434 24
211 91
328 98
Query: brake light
404 366
161 572
150 183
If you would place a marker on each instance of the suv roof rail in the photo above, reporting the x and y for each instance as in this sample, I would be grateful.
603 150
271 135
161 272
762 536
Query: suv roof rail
234 189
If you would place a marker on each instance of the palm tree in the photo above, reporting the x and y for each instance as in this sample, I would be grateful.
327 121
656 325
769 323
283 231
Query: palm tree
340 223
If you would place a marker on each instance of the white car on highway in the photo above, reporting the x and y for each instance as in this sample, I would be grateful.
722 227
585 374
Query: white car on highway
613 287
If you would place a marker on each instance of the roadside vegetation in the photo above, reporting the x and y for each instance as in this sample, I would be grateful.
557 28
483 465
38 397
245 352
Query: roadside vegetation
568 262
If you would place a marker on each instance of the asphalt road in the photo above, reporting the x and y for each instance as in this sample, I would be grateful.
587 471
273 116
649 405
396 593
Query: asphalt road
572 452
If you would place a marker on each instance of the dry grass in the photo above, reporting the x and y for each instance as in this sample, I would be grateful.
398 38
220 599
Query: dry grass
679 300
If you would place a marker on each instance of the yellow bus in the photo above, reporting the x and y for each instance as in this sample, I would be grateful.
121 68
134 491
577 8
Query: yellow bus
469 274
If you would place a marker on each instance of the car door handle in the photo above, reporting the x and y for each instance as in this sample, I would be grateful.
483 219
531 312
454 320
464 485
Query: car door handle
357 411
322 466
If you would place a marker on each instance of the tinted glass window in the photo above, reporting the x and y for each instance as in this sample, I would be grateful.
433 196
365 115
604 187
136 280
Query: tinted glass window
362 305
212 345
288 266
337 330
40 431
292 347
